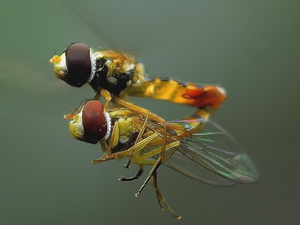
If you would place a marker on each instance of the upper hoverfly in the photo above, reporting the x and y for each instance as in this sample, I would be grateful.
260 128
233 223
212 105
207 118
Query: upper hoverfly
118 75
193 146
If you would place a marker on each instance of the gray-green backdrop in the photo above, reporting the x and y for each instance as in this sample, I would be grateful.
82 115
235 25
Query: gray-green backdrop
251 48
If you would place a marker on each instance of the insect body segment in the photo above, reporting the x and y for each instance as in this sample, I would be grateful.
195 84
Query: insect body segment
179 92
122 76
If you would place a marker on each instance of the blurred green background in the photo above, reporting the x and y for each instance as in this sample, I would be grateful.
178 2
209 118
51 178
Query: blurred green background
251 48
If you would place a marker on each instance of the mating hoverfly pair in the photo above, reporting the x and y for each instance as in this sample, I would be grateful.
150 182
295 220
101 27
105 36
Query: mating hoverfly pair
194 146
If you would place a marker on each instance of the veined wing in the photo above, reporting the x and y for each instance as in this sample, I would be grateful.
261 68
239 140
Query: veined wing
212 156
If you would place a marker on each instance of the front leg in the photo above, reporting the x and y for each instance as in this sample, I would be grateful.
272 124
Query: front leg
135 148
105 94
113 141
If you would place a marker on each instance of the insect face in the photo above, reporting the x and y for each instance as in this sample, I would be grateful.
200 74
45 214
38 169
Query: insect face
75 66
90 124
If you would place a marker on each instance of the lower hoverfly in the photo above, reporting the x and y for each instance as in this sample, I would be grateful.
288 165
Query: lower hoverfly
193 146
121 76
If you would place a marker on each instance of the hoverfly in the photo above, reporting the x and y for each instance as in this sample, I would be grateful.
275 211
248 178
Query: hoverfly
195 146
120 76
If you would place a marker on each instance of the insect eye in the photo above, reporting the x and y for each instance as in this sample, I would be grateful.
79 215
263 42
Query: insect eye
94 121
79 64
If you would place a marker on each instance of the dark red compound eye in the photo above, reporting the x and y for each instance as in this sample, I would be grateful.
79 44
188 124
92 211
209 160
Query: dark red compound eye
93 121
79 64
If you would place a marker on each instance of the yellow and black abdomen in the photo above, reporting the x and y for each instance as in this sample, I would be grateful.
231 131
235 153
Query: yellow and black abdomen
179 92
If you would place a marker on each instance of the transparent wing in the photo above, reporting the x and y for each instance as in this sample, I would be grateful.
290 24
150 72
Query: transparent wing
214 157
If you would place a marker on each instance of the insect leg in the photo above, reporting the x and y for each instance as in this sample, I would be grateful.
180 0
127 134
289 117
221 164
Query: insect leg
128 163
157 164
102 92
137 147
161 200
114 138
139 173
107 96
151 116
97 95
112 142
153 170
138 109
157 150
138 139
